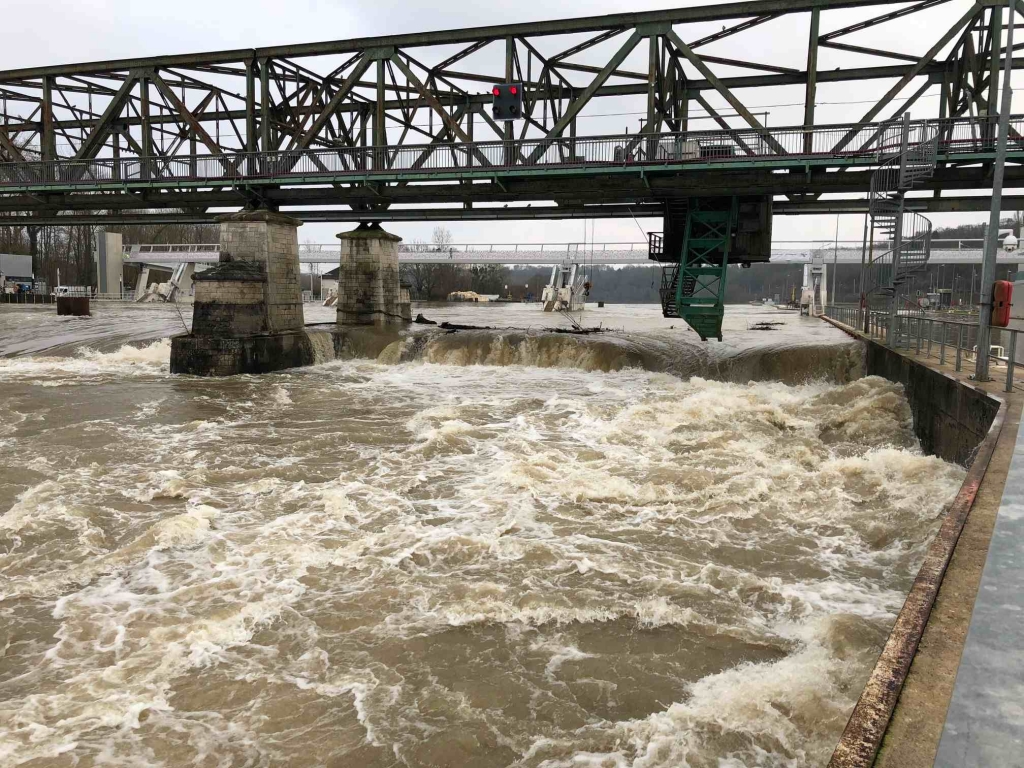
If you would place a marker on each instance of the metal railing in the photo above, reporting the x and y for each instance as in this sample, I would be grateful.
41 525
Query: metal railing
871 142
880 246
909 231
929 336
886 272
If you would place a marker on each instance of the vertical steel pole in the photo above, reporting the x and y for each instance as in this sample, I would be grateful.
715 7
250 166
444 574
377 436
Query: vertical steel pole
380 127
510 58
897 238
147 132
988 267
1010 358
653 76
266 140
812 82
835 263
863 256
250 116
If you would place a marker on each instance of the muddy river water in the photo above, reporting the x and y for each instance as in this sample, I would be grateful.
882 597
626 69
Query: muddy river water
509 548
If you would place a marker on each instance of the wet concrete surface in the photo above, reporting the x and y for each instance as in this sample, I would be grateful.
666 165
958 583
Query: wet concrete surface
985 721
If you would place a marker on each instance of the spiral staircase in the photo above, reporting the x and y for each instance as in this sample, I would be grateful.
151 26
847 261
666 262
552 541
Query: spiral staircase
908 233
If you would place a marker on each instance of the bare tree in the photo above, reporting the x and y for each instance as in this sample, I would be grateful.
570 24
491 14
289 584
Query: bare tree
442 238
1018 223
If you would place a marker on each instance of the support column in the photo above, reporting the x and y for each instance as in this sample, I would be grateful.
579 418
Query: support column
369 290
247 315
812 83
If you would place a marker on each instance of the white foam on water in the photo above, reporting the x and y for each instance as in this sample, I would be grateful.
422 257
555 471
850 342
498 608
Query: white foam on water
549 567
128 361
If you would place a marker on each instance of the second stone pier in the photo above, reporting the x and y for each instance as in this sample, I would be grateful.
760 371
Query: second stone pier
369 288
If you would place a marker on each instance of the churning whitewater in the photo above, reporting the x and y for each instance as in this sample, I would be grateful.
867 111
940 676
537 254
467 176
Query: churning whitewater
425 561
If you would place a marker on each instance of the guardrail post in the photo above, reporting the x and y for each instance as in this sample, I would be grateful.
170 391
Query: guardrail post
919 323
959 347
1011 360
942 344
1011 357
931 332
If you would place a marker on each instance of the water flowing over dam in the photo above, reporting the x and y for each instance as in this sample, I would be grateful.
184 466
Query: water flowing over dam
486 547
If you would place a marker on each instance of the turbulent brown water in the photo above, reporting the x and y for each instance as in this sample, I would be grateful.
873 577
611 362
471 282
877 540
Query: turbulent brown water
445 557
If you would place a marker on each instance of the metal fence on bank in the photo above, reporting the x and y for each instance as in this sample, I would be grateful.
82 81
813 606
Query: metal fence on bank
929 336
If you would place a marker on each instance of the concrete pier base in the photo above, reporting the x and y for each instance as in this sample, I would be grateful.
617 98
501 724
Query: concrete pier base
369 288
247 315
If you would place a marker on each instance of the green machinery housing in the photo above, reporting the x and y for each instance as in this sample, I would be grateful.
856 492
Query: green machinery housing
702 236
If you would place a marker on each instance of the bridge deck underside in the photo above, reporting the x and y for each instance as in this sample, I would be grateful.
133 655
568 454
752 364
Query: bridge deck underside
619 191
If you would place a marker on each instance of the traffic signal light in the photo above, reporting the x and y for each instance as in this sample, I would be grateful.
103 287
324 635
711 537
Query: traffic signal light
508 101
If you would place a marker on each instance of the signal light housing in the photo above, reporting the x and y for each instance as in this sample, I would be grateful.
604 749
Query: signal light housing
508 101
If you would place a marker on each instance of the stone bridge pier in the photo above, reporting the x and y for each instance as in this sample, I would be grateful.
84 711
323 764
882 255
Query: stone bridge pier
369 289
247 314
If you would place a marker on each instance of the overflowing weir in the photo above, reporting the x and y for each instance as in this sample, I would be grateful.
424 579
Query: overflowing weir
489 545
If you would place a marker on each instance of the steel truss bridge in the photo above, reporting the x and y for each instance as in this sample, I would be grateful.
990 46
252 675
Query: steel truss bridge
399 127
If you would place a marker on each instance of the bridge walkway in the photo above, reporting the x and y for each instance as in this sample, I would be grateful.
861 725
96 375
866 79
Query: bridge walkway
794 147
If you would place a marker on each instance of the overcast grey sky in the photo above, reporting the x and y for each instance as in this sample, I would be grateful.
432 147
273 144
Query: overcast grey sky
38 32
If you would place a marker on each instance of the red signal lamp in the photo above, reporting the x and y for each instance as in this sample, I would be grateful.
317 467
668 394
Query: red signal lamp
496 91
513 90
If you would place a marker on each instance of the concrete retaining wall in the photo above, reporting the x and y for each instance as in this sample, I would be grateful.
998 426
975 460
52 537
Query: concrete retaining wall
958 422
951 417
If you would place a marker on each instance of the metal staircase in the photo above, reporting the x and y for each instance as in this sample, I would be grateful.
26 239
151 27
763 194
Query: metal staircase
908 233
694 287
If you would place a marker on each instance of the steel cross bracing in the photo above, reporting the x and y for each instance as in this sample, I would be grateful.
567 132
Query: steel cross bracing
404 120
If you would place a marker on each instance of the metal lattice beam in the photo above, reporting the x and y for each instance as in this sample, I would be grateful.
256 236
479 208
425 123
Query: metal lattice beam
416 98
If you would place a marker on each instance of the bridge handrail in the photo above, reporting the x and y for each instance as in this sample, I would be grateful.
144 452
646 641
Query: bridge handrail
872 142
331 249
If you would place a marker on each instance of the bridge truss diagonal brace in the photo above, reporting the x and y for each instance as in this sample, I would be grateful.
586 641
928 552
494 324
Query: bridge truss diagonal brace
452 126
577 104
722 122
10 147
724 91
879 20
913 72
339 96
449 122
91 146
189 119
